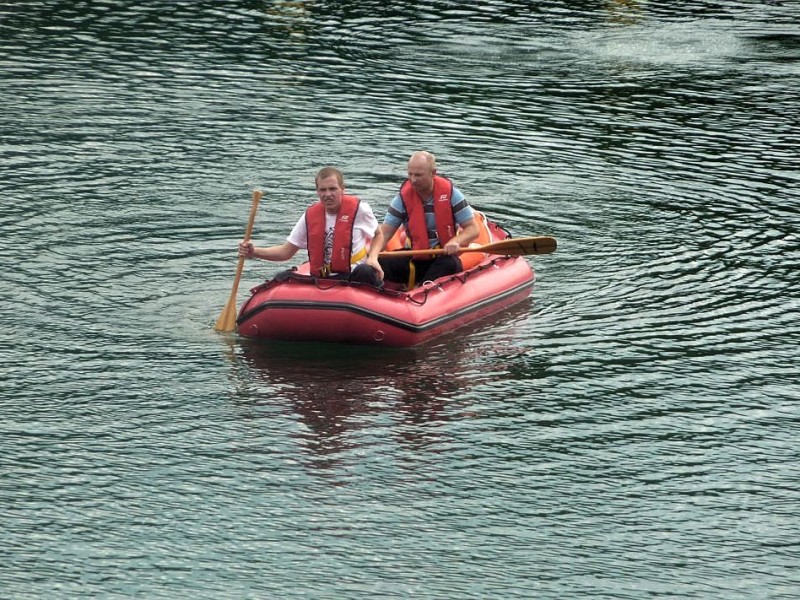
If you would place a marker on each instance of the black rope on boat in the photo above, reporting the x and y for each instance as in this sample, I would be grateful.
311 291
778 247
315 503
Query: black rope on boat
419 302
323 283
461 276
326 283
504 230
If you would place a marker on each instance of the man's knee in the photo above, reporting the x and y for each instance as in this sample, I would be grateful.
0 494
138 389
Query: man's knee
395 268
365 274
443 265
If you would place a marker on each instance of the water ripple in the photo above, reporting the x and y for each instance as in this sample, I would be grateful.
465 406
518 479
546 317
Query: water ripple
629 429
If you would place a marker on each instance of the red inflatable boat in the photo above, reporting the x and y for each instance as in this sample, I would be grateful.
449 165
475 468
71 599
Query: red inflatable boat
305 308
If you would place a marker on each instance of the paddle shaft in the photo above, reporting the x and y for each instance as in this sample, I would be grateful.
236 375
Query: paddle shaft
227 318
510 247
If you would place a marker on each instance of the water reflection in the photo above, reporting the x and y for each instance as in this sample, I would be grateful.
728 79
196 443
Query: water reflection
347 396
337 390
624 12
289 16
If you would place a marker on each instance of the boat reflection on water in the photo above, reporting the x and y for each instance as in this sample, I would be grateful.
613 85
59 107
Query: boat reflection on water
624 12
337 391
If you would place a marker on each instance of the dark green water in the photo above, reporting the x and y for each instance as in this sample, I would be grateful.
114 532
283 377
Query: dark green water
630 432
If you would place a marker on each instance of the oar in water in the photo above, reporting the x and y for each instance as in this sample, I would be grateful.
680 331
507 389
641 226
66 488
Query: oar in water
227 318
510 247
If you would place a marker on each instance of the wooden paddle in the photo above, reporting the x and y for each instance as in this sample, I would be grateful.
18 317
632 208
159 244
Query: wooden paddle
509 247
227 318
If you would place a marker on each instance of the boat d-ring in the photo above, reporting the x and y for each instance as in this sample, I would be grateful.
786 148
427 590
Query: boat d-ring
378 336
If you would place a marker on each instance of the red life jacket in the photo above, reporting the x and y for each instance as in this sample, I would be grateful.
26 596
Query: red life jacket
442 209
342 237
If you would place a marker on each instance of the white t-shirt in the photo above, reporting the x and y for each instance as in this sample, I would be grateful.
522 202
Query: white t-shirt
363 229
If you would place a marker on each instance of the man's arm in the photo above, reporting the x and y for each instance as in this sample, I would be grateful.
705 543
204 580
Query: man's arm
382 235
468 234
275 253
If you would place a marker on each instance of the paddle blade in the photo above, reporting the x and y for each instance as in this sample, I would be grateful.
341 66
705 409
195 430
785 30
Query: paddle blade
521 246
227 318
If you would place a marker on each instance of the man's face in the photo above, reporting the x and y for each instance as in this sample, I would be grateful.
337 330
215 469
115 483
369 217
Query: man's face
330 193
421 176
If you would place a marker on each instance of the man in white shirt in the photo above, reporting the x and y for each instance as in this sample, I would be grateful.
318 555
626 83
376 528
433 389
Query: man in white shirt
336 231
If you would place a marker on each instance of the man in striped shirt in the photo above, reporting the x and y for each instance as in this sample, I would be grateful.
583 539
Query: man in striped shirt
435 214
